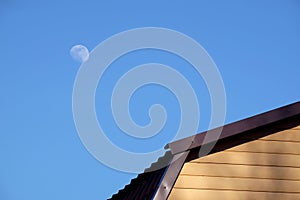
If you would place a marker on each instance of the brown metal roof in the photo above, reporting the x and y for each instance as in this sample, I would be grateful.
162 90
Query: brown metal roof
158 184
145 184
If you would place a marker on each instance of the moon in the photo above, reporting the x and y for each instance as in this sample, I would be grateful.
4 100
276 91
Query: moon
79 53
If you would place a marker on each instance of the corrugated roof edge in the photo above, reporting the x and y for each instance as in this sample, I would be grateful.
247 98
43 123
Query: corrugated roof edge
136 188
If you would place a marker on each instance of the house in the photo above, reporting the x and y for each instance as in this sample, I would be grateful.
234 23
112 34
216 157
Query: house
255 158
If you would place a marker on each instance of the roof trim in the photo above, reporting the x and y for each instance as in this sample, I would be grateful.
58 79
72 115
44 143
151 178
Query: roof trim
235 128
170 176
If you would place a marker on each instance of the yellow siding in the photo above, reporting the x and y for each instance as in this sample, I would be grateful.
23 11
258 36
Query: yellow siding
240 184
252 158
288 135
263 146
190 194
296 128
267 168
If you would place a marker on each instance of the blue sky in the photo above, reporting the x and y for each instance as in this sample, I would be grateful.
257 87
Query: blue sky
255 45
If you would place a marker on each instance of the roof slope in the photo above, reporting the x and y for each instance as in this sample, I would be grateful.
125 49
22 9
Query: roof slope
158 184
145 184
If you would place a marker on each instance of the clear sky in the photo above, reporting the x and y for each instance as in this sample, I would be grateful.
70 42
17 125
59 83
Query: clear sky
255 45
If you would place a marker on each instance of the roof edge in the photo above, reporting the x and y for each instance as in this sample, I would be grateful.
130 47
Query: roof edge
234 128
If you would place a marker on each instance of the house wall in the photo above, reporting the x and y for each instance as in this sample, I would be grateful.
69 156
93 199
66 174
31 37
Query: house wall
267 168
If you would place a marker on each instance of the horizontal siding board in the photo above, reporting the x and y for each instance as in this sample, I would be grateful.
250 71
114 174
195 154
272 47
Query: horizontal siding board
192 194
287 135
245 171
296 128
264 185
269 147
249 158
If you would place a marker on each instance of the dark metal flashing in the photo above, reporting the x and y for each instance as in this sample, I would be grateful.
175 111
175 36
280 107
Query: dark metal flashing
145 184
158 184
247 136
141 187
235 128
